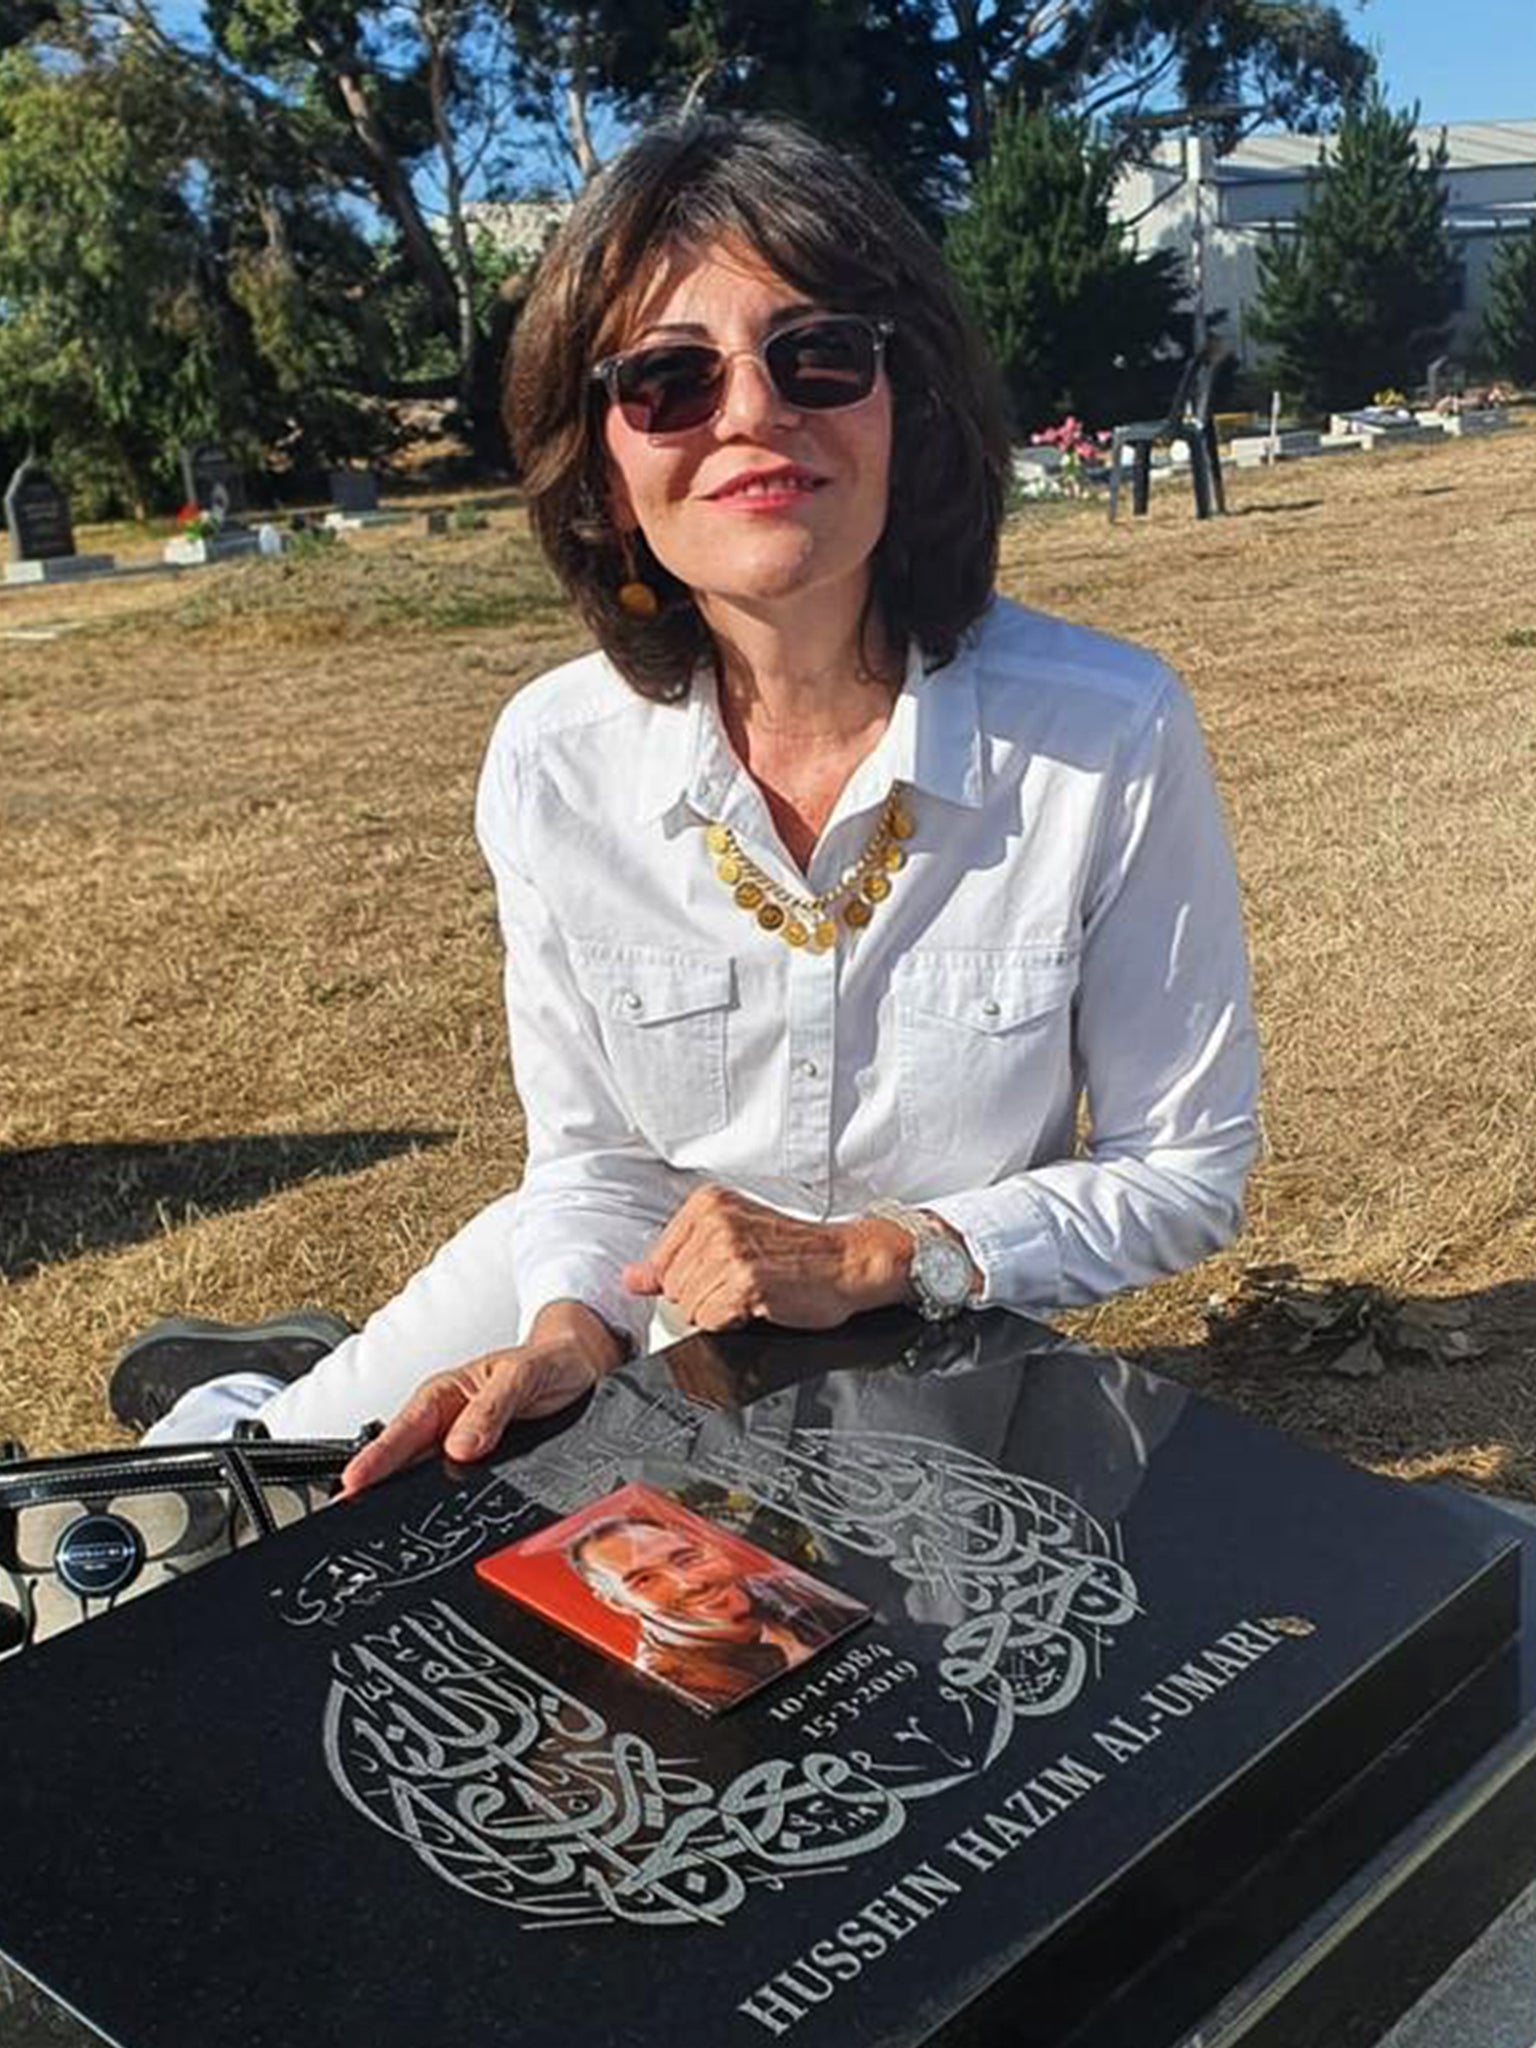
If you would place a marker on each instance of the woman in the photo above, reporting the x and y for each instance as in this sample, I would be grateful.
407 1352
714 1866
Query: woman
831 884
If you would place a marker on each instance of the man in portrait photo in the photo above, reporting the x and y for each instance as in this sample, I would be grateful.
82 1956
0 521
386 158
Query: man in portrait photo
707 1627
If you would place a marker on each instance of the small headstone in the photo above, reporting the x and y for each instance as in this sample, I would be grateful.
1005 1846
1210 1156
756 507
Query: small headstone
37 517
1033 479
41 532
1476 420
1256 451
193 550
1380 426
354 490
213 530
355 502
212 482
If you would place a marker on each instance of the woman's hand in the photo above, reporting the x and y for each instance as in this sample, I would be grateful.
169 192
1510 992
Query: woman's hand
466 1410
725 1260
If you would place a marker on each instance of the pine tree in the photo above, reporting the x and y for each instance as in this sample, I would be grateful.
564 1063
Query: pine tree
1075 317
1509 326
1358 298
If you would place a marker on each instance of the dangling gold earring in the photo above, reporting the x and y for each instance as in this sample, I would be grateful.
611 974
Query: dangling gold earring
636 597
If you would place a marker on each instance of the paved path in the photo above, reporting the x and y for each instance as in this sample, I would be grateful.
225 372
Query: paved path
1487 1998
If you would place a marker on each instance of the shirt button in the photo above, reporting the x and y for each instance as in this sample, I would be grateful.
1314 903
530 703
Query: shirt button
991 1009
807 1070
631 1001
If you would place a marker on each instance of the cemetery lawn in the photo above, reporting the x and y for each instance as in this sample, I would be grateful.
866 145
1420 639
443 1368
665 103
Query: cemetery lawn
249 998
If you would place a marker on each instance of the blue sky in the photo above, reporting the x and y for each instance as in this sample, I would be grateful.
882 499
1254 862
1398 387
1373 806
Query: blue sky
1473 61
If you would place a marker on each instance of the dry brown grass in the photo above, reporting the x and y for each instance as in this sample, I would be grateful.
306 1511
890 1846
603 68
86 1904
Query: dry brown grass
248 999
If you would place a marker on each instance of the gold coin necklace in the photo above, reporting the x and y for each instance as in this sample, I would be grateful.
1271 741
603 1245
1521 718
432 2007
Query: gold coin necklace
813 920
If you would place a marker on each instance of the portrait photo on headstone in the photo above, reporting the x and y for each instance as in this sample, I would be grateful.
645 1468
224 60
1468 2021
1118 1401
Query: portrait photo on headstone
675 1597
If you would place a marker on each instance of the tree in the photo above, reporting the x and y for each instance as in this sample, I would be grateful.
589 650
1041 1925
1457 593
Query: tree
1509 326
22 18
101 320
1077 320
159 282
378 87
299 203
918 85
1358 298
309 128
866 73
1285 62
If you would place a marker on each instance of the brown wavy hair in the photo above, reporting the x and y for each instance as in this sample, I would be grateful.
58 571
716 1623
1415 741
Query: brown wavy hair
823 223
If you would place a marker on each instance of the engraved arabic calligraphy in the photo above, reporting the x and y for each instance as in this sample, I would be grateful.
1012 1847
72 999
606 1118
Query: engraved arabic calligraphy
511 1788
451 1531
516 1791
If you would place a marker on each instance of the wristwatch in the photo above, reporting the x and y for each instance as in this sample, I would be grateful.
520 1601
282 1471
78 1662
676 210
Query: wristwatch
941 1273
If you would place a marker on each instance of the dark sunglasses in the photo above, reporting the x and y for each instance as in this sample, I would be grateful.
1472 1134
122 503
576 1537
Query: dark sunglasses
814 366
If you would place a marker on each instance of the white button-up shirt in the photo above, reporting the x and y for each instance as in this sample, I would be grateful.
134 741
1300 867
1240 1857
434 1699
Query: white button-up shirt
1043 1034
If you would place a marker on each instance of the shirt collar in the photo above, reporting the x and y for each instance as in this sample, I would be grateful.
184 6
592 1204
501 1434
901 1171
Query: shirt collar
933 744
686 757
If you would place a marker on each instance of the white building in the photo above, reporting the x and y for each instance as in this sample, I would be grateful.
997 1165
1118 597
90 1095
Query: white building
518 229
1218 211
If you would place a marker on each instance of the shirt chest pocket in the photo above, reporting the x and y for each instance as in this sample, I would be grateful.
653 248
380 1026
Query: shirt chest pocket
984 1049
662 1018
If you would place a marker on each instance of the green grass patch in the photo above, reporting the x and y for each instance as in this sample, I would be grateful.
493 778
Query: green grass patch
1520 636
476 582
123 536
469 610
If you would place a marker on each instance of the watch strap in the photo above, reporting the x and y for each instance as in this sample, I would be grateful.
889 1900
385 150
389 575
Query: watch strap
916 1222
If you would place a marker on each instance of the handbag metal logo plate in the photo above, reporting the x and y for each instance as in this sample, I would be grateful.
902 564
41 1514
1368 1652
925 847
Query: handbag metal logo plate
98 1555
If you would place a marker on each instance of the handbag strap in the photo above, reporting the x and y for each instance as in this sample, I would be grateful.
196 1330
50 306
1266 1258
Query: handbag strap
245 1464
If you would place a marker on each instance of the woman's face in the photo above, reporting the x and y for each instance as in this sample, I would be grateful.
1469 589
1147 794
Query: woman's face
804 531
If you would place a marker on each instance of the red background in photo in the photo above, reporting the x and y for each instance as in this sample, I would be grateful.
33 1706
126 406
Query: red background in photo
535 1570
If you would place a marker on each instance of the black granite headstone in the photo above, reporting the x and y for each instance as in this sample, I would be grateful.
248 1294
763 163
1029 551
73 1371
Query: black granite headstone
1130 1657
37 517
212 481
354 490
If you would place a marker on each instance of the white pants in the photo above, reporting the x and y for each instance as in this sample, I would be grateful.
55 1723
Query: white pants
459 1306
456 1308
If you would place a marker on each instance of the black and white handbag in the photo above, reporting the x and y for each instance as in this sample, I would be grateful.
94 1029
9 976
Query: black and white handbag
79 1535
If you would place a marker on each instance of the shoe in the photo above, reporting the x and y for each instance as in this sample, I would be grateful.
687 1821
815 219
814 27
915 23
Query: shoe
156 1368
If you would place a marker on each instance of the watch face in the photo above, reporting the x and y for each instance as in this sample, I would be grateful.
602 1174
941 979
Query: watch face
943 1271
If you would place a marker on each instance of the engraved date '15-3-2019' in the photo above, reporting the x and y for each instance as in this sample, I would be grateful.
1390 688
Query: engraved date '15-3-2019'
871 1670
